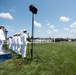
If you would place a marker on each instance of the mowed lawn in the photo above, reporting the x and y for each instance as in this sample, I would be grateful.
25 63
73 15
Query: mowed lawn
58 59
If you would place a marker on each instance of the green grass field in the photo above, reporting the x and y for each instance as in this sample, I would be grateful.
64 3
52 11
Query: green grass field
59 59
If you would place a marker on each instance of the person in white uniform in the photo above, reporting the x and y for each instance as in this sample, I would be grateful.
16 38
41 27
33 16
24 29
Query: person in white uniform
13 46
15 43
10 42
2 37
24 44
18 43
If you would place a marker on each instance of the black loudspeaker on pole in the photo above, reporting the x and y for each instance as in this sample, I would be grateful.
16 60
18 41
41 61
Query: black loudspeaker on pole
34 11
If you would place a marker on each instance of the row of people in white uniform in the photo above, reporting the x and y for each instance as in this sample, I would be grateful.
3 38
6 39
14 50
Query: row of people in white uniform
17 41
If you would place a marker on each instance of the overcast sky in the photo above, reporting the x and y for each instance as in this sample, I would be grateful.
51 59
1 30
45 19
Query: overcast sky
55 18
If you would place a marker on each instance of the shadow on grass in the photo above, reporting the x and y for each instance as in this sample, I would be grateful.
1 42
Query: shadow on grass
18 56
35 59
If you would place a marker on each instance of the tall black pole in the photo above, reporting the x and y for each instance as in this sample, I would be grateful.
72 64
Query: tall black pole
5 31
32 35
6 35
